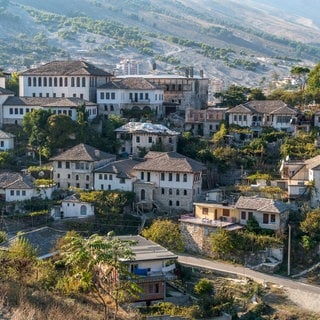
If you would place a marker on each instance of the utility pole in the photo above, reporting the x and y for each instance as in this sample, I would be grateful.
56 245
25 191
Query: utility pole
289 248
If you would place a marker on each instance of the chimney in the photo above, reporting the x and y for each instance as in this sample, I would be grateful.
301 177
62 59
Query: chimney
191 72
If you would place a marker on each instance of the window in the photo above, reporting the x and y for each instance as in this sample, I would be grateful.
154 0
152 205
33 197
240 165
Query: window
243 215
11 192
83 81
148 176
141 96
185 193
113 96
146 96
162 190
34 81
162 176
137 139
105 176
170 203
107 95
65 82
21 110
59 164
100 176
170 176
272 218
69 176
205 211
170 191
101 95
101 187
78 81
177 192
87 177
170 140
178 177
226 212
55 82
29 81
23 192
142 175
110 177
1 144
244 117
87 186
177 203
235 117
122 180
185 177
250 215
72 81
50 82
67 165
60 82
58 175
143 194
150 139
39 82
77 185
265 218
11 111
77 177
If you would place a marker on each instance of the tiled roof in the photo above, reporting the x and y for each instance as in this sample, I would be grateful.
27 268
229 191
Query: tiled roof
82 152
23 182
121 168
146 127
73 198
46 102
6 135
66 68
264 107
136 83
7 178
169 162
43 239
5 92
261 204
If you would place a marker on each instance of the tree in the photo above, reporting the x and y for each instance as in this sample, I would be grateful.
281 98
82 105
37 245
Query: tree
234 95
256 94
13 83
98 265
205 290
301 73
314 82
311 224
166 233
220 136
222 242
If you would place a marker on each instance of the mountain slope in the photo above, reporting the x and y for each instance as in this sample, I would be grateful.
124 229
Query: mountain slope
243 41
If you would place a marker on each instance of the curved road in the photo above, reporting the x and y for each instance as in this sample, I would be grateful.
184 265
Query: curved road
305 295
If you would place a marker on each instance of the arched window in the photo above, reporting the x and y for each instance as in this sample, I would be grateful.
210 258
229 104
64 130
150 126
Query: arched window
39 82
185 177
83 210
66 82
78 81
143 195
50 82
60 82
34 81
55 82
72 81
29 81
83 81
45 81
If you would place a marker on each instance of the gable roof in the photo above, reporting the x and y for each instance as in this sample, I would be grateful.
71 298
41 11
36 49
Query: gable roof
6 135
169 162
5 92
264 107
82 152
121 168
67 68
136 83
46 102
261 204
15 180
146 127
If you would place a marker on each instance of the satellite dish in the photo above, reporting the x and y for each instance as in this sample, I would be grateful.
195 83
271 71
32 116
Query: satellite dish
41 174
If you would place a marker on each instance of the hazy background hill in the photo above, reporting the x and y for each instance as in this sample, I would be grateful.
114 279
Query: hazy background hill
241 41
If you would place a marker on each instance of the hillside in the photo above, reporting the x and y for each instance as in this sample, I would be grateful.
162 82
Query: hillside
245 42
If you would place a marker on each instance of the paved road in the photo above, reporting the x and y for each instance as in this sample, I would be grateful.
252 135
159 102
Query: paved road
246 272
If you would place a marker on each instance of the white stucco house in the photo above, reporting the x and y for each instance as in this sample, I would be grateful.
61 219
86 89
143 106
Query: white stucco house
72 207
116 175
14 108
6 141
138 136
257 114
132 93
63 79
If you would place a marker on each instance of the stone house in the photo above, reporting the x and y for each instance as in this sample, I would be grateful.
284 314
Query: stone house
257 114
168 180
141 136
63 79
302 179
180 92
132 93
204 122
74 168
